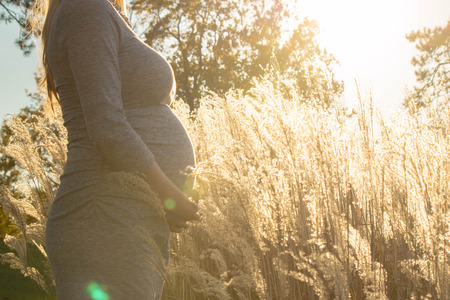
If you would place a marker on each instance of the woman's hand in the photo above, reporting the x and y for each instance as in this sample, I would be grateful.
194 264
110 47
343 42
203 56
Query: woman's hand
175 223
179 209
178 218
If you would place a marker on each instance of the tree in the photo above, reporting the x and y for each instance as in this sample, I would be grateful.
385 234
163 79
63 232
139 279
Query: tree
216 45
311 67
432 65
20 11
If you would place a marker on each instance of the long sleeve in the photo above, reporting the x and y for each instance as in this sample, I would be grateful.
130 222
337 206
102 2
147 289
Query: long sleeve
91 39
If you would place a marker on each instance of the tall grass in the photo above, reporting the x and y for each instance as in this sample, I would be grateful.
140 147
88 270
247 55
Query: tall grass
37 145
299 204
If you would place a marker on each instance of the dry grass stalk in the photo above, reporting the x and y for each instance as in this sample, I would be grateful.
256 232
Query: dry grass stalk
296 203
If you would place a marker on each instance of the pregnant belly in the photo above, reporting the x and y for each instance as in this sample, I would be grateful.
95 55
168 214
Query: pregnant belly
164 134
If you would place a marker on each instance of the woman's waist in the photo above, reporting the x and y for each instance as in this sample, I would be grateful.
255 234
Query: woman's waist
112 190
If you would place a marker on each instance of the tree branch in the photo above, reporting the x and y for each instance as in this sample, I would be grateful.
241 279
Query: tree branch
12 15
436 69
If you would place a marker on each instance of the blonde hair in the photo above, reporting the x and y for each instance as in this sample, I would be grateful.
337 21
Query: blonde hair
48 8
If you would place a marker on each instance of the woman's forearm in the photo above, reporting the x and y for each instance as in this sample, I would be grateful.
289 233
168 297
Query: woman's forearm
174 200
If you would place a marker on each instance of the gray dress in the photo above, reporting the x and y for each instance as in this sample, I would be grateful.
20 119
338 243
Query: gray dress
106 232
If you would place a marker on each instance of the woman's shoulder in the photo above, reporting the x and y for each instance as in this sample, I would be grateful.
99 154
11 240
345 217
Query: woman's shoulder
79 17
77 10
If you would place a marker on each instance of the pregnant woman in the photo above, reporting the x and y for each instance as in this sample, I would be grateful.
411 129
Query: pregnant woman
107 232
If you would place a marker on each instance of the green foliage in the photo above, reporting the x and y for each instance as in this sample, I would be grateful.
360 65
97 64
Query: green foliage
5 225
311 67
217 45
432 66
13 285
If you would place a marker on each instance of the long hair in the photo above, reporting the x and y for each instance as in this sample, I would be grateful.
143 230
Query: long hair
48 8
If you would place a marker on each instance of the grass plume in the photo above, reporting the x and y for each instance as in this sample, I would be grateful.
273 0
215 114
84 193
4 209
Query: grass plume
298 202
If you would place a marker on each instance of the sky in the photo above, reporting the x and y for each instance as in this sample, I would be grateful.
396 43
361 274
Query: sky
16 71
366 37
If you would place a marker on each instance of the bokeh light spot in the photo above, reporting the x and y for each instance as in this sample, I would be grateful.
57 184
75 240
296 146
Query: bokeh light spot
96 292
169 204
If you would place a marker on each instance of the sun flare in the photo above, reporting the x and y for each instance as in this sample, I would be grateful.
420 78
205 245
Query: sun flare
349 24
367 38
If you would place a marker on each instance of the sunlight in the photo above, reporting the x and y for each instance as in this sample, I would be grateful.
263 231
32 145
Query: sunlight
357 29
350 20
368 39
361 28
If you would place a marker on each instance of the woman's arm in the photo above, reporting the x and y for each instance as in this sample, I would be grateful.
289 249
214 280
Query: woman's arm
90 36
177 205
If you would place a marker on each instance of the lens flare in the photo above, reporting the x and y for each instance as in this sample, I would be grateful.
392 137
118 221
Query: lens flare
96 292
169 204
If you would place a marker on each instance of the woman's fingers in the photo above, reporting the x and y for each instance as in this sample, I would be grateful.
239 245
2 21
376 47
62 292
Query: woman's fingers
196 217
177 229
175 223
182 225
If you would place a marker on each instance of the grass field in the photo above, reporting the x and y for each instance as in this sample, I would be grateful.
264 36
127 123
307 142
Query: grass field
299 202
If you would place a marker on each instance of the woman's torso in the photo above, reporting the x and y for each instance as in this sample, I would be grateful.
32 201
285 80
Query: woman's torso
147 85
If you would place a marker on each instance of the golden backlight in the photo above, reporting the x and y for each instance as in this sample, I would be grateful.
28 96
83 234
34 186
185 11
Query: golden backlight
368 39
